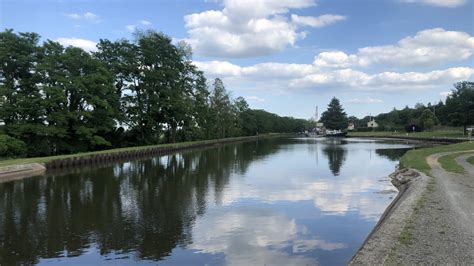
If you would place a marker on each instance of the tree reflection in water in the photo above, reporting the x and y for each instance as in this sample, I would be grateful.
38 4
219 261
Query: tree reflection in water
336 154
143 207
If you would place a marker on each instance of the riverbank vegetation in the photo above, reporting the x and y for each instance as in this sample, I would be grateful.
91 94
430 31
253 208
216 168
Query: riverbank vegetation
456 111
448 133
46 159
417 158
448 162
62 100
471 160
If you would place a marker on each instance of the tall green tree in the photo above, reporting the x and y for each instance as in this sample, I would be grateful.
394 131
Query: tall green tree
428 119
21 97
222 110
460 104
334 117
81 100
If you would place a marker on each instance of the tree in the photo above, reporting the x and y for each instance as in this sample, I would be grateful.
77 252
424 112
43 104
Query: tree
57 100
428 119
81 101
460 104
21 99
334 117
223 112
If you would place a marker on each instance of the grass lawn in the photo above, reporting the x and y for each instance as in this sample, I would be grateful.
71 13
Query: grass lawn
417 158
50 158
425 134
471 160
449 164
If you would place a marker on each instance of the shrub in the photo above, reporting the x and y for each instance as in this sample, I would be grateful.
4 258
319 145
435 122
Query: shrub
11 147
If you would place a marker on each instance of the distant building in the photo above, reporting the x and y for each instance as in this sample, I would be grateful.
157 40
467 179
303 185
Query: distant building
372 124
351 126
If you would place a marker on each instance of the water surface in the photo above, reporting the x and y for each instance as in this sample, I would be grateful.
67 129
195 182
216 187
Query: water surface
272 201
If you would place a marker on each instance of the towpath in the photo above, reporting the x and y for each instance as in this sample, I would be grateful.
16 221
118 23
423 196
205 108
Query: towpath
441 230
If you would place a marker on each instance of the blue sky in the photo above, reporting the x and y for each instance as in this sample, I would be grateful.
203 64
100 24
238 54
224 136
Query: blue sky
287 56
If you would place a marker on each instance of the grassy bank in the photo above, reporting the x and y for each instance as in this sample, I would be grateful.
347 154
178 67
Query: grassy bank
449 163
44 160
417 158
440 134
471 160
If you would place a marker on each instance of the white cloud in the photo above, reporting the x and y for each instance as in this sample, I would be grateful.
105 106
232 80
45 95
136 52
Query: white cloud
264 237
133 27
245 28
445 94
439 3
294 76
88 16
367 100
335 59
317 22
254 99
427 48
384 81
145 22
86 45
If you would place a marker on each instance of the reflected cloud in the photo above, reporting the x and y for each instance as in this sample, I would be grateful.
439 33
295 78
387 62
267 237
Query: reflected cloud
256 237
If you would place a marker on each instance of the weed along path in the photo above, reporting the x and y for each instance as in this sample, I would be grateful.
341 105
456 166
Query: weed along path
463 161
441 228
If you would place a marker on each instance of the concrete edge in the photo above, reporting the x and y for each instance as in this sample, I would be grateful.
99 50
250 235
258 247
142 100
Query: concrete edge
384 236
15 172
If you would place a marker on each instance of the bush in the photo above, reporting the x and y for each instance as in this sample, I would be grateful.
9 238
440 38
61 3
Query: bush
11 147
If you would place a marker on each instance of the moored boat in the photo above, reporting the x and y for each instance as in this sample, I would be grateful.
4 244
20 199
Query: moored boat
335 133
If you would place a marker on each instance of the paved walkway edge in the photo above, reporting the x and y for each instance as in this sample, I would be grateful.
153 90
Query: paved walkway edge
383 238
15 172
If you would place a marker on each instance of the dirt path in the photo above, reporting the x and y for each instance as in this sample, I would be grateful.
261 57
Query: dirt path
441 230
462 160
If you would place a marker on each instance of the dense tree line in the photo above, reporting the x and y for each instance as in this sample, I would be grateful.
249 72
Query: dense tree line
59 100
456 111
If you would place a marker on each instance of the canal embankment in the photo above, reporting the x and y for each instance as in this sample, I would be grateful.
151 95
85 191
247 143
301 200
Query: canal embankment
26 167
432 218
441 137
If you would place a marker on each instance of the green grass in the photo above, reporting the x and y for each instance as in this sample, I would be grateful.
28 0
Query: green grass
449 163
417 158
449 134
117 150
471 160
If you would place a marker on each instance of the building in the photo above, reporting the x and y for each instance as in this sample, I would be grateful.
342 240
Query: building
372 124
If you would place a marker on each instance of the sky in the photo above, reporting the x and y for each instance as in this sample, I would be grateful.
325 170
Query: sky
287 56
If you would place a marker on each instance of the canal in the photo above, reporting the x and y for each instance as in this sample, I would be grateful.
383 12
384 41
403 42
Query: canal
279 201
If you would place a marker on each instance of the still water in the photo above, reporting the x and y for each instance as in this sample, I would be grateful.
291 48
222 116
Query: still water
282 201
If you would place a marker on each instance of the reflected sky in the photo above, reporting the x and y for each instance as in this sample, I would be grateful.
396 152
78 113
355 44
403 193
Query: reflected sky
287 201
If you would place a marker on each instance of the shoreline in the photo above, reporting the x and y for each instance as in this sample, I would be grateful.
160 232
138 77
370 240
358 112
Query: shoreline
28 167
432 140
441 140
384 237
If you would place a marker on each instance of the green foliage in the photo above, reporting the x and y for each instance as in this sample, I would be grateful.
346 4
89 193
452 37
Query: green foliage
458 111
428 119
417 158
448 162
471 160
58 100
334 117
11 147
459 106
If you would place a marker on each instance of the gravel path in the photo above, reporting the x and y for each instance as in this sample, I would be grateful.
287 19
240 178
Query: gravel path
462 160
441 230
